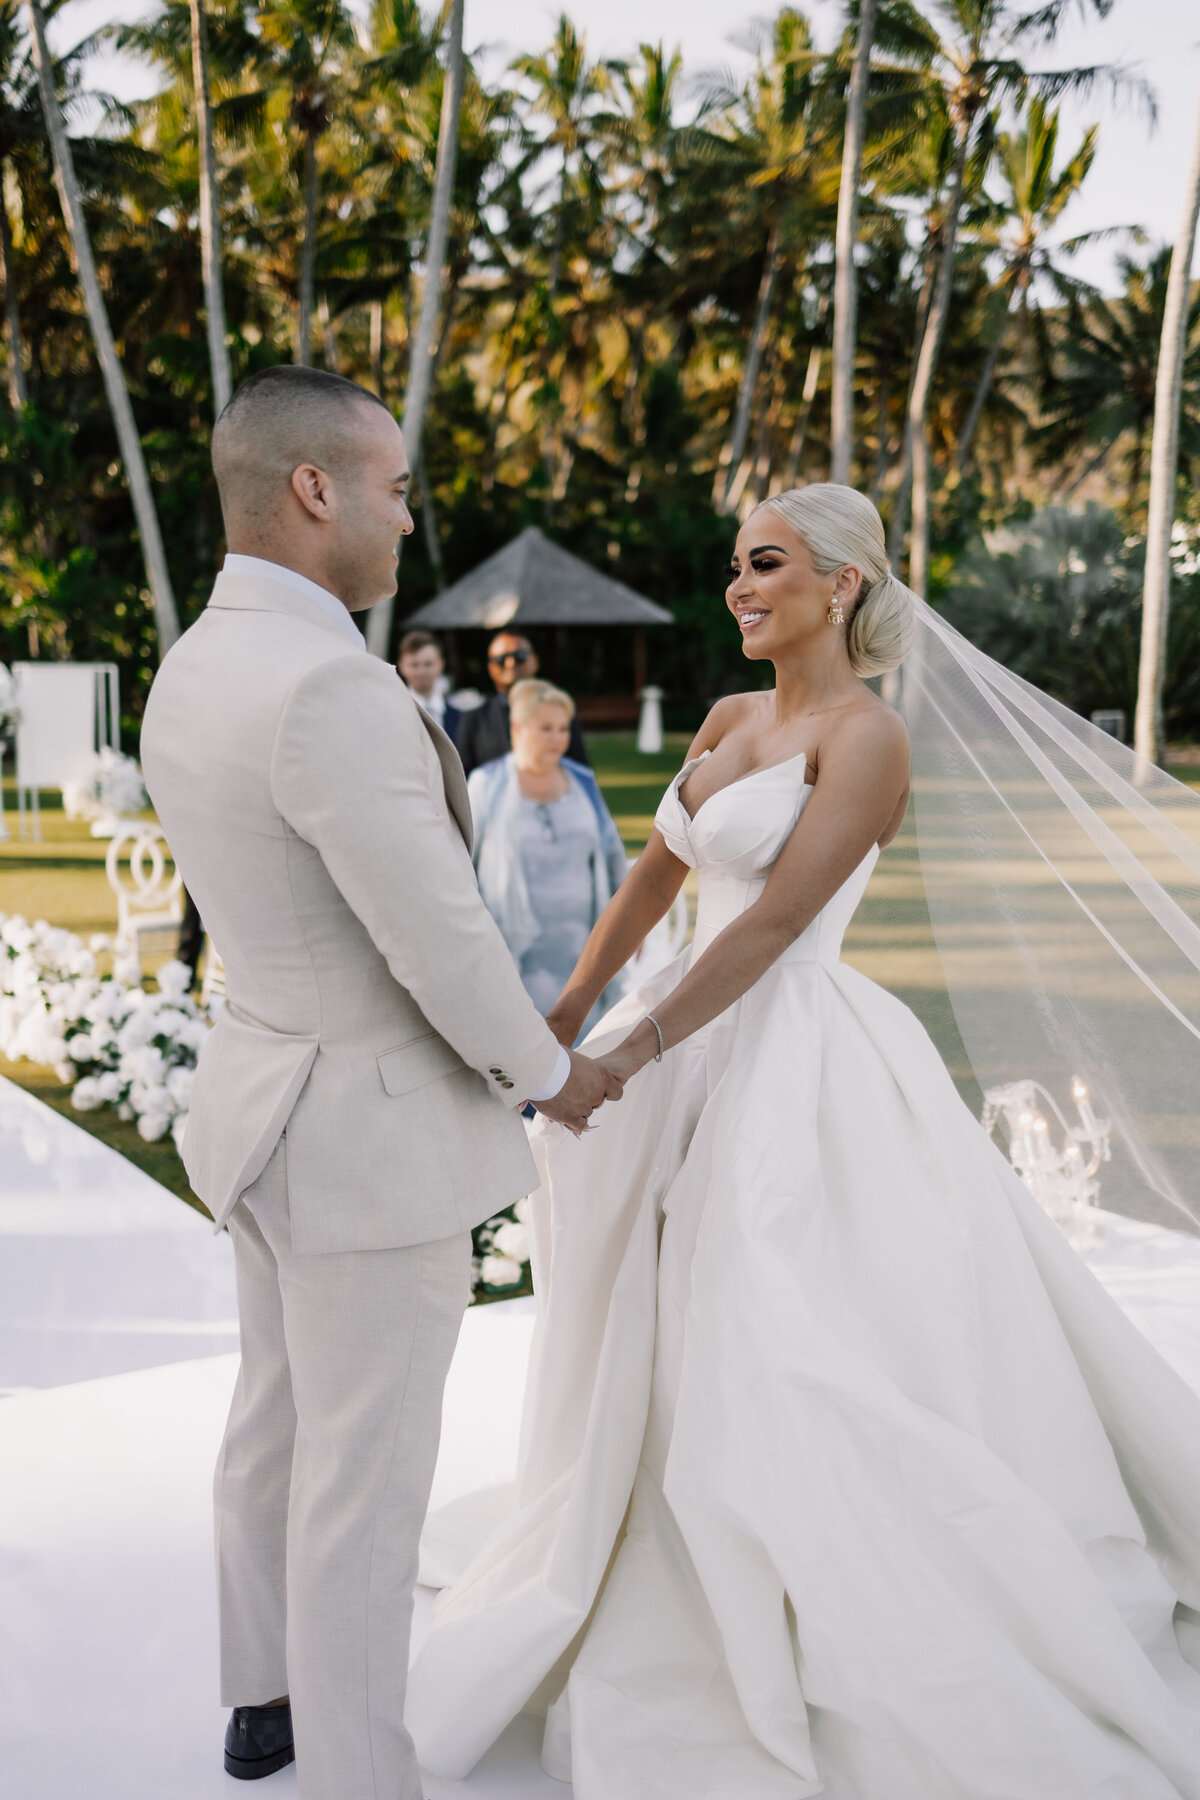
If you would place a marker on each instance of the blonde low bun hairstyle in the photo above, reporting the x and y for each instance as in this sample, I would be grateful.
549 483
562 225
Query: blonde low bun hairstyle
839 526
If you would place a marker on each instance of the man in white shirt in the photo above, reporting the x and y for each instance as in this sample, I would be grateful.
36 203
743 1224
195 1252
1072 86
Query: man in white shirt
356 1108
421 665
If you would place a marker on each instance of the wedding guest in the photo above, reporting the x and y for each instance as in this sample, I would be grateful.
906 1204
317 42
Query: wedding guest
548 854
422 670
485 732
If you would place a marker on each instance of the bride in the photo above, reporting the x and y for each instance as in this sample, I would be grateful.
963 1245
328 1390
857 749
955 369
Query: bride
839 1472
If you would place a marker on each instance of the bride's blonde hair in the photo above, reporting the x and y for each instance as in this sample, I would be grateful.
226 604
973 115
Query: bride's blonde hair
839 525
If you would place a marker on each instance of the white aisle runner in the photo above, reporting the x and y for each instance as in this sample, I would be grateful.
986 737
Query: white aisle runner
107 1613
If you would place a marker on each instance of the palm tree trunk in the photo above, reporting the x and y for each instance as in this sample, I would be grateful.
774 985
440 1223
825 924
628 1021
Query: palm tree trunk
328 336
18 391
420 368
157 575
983 388
377 346
1148 736
433 544
899 520
734 450
308 253
812 376
845 288
918 405
210 216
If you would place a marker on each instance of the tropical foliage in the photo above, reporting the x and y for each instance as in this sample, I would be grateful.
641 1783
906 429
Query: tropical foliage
633 341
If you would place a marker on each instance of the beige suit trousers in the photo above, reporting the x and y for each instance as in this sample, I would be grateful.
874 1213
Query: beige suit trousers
322 1484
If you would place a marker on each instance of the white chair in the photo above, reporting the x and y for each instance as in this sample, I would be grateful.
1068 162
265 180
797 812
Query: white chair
149 902
212 987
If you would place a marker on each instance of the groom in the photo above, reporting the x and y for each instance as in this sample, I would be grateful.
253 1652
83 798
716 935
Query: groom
357 1107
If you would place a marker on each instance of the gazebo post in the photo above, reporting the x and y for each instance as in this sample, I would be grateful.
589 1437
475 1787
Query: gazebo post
639 659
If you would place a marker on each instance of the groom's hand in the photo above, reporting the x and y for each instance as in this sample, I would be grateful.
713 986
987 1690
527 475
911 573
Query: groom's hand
588 1086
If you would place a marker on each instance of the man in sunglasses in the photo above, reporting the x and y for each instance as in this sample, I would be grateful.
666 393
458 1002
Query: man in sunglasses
484 732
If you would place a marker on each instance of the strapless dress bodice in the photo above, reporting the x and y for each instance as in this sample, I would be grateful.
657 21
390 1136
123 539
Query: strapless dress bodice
733 840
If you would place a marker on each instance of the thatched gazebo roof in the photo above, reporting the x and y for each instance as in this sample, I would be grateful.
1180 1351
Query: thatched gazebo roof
534 582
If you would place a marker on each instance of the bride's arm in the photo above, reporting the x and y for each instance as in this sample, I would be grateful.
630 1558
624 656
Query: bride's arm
643 898
862 782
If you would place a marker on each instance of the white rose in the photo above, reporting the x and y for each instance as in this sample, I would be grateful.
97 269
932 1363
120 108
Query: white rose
152 1098
173 1022
153 1126
146 1065
66 1071
195 1035
137 1031
512 1240
179 1085
86 1095
99 942
127 969
524 1210
500 1271
109 1086
80 1047
81 962
174 980
106 1004
17 934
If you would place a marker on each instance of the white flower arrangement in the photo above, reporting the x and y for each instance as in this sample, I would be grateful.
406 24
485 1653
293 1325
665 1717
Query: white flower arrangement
10 712
111 788
136 1051
119 1045
501 1262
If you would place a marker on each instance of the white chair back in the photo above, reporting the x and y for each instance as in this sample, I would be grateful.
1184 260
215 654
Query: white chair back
212 986
149 901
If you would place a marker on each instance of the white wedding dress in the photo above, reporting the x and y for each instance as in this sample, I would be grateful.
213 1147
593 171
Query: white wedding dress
840 1473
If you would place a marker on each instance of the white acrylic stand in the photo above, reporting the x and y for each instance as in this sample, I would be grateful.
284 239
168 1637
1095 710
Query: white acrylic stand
650 725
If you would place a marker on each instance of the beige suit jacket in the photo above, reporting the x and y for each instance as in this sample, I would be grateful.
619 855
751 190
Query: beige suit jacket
321 822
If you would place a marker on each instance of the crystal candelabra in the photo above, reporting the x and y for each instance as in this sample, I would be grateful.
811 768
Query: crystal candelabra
1062 1180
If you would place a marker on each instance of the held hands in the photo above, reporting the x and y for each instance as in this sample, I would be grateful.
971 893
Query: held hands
588 1086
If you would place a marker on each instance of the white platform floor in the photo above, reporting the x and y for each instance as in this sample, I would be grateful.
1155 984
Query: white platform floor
107 1615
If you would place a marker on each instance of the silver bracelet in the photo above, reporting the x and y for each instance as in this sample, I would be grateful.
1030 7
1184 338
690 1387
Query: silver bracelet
658 1028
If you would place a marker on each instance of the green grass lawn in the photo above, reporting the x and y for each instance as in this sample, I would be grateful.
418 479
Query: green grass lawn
62 879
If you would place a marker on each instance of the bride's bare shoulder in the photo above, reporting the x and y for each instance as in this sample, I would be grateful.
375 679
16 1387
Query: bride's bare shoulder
724 716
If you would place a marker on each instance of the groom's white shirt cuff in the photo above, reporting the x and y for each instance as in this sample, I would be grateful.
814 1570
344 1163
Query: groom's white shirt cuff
259 567
558 1081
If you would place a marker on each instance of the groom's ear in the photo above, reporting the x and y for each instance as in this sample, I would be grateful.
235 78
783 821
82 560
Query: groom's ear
314 490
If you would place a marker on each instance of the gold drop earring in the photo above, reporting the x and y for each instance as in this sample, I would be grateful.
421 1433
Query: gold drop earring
835 615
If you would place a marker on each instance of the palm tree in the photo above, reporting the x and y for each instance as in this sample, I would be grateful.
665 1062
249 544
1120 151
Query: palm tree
845 290
777 141
1035 198
157 574
210 215
1164 464
420 368
306 38
975 67
1098 384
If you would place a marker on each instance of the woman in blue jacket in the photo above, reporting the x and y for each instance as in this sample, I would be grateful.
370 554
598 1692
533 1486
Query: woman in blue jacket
547 852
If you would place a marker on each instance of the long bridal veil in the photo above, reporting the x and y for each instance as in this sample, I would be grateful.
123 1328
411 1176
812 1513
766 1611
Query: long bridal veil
1062 878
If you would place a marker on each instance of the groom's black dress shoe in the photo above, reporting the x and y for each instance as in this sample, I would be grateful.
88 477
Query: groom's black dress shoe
258 1740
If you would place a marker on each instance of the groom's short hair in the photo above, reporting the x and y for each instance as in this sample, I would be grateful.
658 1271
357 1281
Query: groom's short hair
276 420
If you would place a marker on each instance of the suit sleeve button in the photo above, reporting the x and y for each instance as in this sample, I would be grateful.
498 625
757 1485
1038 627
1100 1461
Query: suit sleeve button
496 1072
506 1084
